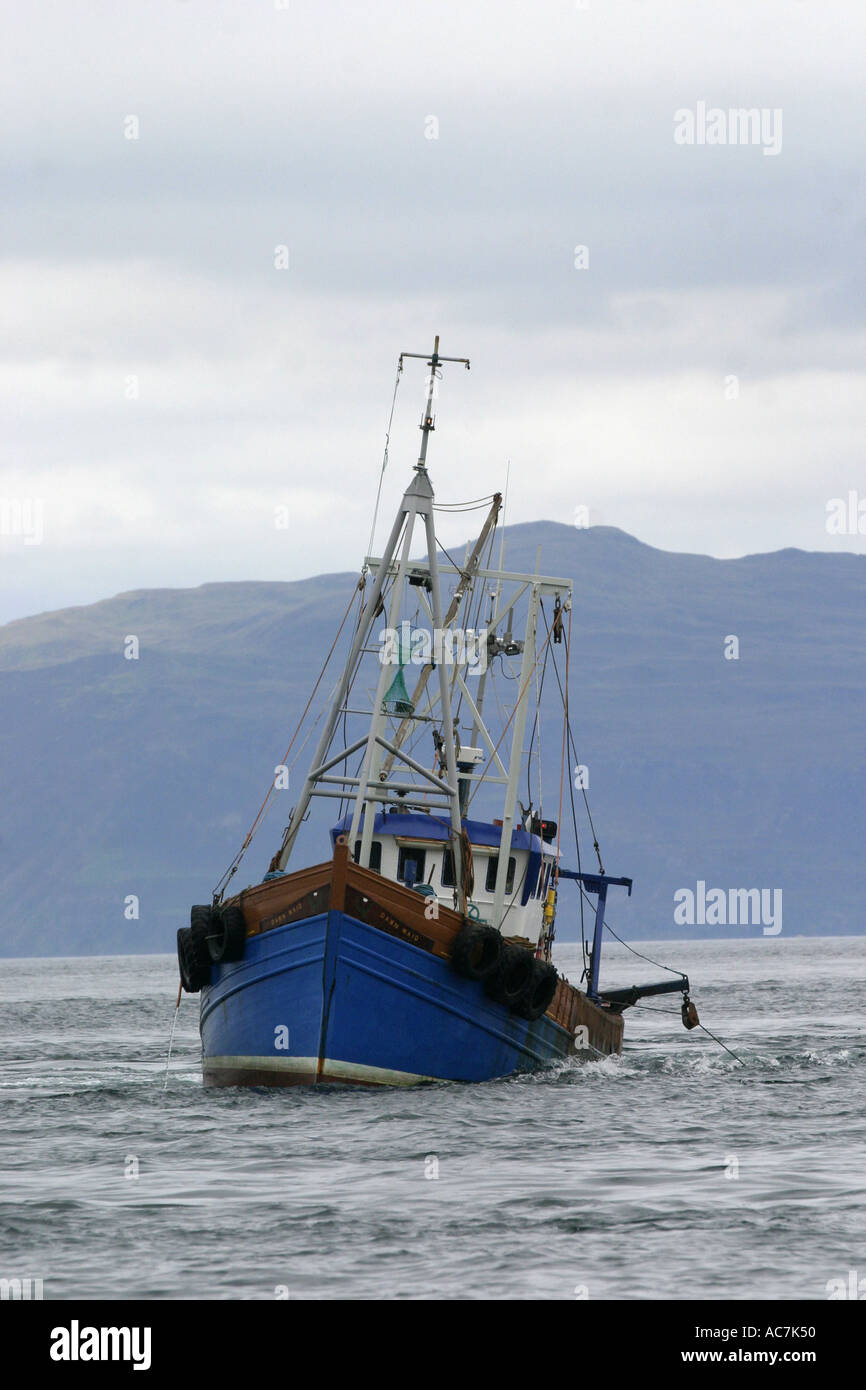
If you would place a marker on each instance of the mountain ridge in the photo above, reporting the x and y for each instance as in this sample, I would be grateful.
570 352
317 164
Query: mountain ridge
140 777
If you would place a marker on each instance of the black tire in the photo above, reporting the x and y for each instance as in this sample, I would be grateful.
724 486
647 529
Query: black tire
201 926
201 921
194 968
476 951
228 935
539 994
508 983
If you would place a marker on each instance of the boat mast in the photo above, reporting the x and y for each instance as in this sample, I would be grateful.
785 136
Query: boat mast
374 785
374 779
465 581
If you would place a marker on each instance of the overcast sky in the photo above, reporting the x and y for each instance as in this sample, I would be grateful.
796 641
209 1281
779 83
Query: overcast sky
164 387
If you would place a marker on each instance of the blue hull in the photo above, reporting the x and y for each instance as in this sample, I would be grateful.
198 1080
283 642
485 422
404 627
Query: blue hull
333 999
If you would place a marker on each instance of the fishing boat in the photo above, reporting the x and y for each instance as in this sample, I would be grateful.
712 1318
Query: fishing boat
420 948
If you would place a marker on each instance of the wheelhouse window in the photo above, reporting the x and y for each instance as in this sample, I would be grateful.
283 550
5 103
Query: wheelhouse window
492 866
375 855
410 865
447 878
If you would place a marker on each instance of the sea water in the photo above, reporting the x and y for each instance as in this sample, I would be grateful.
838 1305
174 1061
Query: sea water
673 1171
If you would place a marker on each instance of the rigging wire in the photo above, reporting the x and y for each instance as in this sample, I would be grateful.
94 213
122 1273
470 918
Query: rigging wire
235 863
369 550
448 557
564 698
563 758
657 963
651 1009
539 689
318 718
659 966
574 752
721 1044
460 511
539 686
583 894
474 505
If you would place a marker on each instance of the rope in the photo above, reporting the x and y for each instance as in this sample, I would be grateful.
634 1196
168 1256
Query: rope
468 870
651 1009
721 1044
171 1034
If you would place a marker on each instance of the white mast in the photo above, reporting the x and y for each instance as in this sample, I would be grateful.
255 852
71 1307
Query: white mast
388 773
373 786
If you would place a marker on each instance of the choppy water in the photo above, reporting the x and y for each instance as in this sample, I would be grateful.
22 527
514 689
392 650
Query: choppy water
669 1172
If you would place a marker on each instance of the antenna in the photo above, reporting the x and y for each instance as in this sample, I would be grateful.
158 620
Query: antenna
427 420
